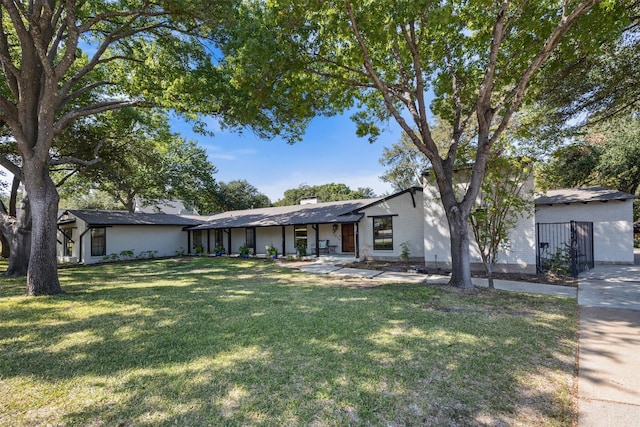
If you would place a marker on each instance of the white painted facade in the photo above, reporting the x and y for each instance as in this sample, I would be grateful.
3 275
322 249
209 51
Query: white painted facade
519 255
612 226
407 214
143 240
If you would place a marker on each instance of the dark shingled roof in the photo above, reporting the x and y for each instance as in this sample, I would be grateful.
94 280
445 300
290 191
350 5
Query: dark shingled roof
98 218
582 195
313 213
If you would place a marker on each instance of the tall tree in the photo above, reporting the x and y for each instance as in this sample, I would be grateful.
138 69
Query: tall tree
478 58
325 193
596 83
406 163
55 53
239 195
608 155
140 158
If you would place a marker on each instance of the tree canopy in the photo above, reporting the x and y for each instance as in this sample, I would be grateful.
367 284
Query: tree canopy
383 58
325 193
608 155
239 195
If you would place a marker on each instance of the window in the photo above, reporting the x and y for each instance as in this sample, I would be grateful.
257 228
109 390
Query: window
300 232
98 241
68 242
383 233
251 238
218 238
197 240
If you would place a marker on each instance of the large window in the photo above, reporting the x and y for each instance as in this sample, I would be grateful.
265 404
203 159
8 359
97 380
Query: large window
218 238
300 232
197 240
98 241
68 242
383 233
251 239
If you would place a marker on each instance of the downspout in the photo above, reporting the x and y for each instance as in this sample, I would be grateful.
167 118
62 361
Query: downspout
80 239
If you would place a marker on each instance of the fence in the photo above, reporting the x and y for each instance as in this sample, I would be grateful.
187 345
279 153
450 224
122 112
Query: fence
564 247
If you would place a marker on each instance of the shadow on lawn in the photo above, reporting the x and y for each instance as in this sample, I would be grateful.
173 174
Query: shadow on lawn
236 343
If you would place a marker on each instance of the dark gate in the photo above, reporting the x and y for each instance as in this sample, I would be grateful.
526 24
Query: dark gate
564 247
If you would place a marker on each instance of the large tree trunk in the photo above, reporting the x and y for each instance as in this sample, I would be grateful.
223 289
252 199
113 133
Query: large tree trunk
460 254
42 275
20 247
18 234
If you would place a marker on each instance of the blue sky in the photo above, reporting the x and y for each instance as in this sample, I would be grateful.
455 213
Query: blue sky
329 152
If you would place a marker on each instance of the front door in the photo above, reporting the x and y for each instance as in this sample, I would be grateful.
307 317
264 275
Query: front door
348 240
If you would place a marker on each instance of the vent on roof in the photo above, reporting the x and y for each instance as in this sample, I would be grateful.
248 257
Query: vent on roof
309 200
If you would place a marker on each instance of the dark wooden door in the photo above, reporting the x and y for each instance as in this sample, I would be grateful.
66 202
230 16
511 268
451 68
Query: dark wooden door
348 238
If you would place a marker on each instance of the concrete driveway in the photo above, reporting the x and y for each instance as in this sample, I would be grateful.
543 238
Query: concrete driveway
609 355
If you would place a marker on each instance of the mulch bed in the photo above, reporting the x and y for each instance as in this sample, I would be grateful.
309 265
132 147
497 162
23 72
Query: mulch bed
544 278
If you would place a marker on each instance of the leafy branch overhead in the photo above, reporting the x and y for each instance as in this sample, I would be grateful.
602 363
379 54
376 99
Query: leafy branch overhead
384 59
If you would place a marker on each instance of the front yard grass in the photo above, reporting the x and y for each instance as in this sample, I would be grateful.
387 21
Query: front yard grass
211 341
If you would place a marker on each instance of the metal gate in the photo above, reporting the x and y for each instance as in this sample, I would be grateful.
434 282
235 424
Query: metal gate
564 247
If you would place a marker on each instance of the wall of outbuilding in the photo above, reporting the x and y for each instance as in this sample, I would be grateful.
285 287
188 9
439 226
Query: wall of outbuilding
612 226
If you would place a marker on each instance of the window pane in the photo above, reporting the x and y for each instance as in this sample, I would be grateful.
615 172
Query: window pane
300 232
98 241
383 233
250 238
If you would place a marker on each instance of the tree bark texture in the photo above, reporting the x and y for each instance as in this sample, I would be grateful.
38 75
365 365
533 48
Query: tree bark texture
42 274
460 254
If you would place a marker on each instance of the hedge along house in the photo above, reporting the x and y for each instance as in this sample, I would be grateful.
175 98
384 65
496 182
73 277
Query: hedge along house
373 228
598 215
90 236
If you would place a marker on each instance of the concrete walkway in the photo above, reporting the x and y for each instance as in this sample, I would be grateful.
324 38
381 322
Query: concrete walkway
328 266
609 355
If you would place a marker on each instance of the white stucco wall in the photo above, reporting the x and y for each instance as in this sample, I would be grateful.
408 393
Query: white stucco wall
612 226
408 226
166 240
519 255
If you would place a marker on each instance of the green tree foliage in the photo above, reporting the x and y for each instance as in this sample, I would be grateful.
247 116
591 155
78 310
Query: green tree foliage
608 155
239 195
384 57
595 82
64 61
140 158
325 193
406 163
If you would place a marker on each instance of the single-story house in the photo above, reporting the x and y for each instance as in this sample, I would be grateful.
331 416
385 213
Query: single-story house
378 228
408 223
90 236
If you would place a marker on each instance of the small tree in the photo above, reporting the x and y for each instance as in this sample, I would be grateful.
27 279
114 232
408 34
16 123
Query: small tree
503 202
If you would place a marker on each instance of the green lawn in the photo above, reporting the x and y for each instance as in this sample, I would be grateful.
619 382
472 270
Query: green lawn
210 341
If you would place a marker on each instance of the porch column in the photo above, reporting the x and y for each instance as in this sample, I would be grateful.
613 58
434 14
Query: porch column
229 241
284 249
357 236
189 241
208 240
316 228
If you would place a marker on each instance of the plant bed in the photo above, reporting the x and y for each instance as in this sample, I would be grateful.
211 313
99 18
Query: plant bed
403 266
